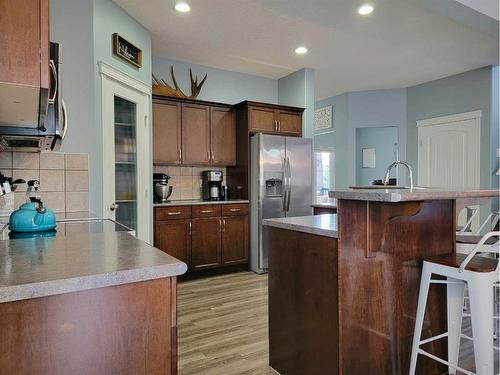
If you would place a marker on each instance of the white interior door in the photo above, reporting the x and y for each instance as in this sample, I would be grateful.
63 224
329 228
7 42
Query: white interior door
126 158
449 152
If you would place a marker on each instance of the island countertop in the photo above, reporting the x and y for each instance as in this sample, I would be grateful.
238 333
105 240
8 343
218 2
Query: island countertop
197 202
402 195
39 267
322 225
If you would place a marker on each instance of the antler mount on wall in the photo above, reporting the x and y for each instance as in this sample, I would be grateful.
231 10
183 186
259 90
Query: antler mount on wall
160 87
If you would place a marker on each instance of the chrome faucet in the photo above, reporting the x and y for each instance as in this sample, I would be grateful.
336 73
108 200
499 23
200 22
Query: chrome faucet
399 162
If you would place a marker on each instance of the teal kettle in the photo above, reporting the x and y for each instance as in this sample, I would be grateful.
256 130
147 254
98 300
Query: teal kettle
32 217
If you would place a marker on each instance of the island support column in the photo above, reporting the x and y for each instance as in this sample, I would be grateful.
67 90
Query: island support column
381 246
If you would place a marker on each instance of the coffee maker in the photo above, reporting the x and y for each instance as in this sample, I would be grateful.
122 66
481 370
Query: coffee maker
211 186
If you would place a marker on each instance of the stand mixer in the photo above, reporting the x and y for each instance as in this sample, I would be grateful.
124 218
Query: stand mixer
161 188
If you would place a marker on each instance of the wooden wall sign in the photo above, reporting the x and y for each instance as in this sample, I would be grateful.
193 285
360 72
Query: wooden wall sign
127 51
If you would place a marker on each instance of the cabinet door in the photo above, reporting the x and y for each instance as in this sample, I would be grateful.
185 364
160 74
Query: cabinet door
235 239
290 122
172 237
262 119
24 37
223 136
205 243
166 132
195 134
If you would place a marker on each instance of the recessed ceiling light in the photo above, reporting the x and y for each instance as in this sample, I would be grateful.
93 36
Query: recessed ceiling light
182 7
366 9
300 50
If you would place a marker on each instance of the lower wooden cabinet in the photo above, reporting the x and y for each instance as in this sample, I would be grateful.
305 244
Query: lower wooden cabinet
173 237
234 250
204 239
205 243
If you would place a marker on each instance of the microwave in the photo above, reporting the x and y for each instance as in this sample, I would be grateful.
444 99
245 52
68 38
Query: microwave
50 131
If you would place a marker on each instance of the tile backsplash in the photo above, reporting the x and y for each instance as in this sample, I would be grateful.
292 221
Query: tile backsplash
185 181
64 178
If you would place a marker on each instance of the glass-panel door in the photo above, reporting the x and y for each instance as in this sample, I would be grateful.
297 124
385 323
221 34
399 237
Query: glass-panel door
125 128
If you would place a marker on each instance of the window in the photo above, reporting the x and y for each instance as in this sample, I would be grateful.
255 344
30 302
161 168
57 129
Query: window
324 176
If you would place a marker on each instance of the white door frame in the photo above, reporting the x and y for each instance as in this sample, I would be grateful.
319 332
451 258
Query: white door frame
116 82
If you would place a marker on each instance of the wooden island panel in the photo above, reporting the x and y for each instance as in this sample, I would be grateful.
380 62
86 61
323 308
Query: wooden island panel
303 302
124 329
381 250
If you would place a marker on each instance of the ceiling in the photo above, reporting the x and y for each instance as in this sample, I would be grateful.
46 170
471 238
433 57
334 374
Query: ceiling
402 43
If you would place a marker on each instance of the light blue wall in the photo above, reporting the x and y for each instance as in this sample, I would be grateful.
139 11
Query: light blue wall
338 139
84 28
382 140
71 25
469 91
495 134
363 109
297 89
221 85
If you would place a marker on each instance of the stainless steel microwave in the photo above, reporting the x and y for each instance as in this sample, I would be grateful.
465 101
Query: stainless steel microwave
48 133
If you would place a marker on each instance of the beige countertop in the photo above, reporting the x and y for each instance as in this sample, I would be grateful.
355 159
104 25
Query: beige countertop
40 267
195 202
401 195
321 225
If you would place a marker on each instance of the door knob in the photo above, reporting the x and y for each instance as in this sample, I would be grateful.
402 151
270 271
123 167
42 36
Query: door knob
113 207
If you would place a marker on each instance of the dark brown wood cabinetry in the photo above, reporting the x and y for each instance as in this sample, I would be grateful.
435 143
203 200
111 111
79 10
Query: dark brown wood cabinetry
193 132
24 37
204 236
167 132
273 119
206 243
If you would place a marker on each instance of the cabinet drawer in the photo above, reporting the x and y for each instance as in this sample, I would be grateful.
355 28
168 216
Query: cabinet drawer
175 212
207 210
235 209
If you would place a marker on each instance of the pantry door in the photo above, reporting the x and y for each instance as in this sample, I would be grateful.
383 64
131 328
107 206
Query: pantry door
126 156
449 152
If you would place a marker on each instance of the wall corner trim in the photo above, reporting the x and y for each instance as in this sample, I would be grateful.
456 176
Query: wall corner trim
117 75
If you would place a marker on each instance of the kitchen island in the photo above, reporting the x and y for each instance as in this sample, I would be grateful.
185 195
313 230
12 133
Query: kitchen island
87 303
343 288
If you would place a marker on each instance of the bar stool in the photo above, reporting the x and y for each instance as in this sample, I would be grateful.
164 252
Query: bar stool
480 274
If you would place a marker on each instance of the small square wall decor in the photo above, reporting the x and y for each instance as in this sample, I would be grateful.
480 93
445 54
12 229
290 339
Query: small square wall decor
323 119
369 158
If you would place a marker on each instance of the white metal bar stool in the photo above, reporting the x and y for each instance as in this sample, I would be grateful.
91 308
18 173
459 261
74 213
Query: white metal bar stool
480 274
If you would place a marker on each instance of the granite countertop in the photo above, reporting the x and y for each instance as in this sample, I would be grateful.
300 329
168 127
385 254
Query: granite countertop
40 267
331 203
321 225
401 195
195 202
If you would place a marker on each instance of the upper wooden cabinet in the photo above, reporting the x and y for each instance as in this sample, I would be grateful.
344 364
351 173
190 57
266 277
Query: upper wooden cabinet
24 37
167 132
223 135
274 119
193 133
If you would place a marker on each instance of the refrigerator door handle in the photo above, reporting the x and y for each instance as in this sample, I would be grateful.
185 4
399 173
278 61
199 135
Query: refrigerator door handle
289 193
283 184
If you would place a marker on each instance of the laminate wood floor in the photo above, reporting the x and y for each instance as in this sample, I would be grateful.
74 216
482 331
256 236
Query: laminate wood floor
223 325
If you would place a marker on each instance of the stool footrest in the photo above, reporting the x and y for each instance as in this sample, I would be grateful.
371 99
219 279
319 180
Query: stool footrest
433 338
446 363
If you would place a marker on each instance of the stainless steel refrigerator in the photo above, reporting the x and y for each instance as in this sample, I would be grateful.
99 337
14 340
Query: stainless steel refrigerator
280 186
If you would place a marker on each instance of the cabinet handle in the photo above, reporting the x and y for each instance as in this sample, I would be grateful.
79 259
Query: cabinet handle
213 158
275 125
279 126
206 211
235 209
173 213
208 154
223 225
180 154
220 226
190 228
